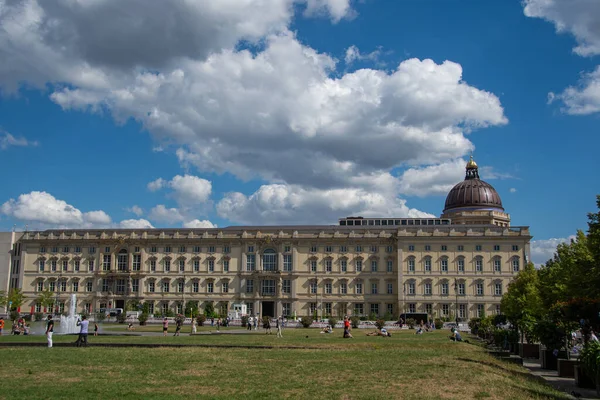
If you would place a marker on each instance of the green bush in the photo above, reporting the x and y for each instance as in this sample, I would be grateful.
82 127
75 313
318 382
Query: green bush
14 315
380 323
200 319
142 318
306 321
355 321
121 318
590 359
500 336
439 324
244 321
372 317
332 321
100 316
38 316
411 322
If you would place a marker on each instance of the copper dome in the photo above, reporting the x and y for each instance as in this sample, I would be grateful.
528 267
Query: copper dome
473 192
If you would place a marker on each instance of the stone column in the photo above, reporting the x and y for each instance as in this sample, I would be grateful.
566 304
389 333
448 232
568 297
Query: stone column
400 266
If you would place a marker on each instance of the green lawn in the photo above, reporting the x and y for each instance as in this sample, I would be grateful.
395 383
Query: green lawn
403 366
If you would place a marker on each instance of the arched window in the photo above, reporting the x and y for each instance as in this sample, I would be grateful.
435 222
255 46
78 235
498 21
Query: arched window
269 260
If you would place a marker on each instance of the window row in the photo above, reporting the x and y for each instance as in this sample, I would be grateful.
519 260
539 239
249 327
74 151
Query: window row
444 262
152 249
443 288
460 247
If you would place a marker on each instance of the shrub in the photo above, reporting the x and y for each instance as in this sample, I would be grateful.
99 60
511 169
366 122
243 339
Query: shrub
355 322
244 321
380 323
38 316
590 359
121 318
372 317
439 324
306 321
411 322
100 316
200 319
332 321
14 315
142 318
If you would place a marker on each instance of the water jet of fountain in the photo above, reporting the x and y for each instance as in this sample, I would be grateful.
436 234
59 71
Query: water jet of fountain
68 324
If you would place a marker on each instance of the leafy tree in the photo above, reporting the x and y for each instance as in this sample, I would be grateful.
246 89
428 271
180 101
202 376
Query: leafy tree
191 309
522 303
209 309
3 298
46 298
16 297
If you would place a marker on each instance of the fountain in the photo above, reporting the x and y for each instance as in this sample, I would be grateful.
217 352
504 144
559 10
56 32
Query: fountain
68 324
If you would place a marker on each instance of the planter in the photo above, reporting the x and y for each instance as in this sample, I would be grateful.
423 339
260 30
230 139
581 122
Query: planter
528 350
566 368
550 361
582 380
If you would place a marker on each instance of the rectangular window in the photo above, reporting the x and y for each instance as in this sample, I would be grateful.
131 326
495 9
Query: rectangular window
389 249
167 249
428 264
313 249
106 262
478 247
444 265
515 264
42 265
76 265
287 263
327 308
226 249
250 262
42 249
152 265
53 265
358 248
498 289
166 286
196 249
358 288
313 287
196 265
151 286
153 249
287 249
428 289
212 249
460 247
461 265
390 266
268 287
286 286
461 289
328 288
479 265
515 248
55 249
180 286
250 308
429 308
107 249
195 287
343 288
479 289
181 265
427 247
75 286
250 249
412 308
313 308
65 265
225 287
374 249
411 247
89 286
151 307
373 288
373 266
182 249
122 261
211 265
105 285
445 310
375 309
328 266
343 249
390 288
497 265
444 247
167 265
225 265
411 288
52 286
496 247
344 265
462 311
135 285
137 262
66 249
249 286
121 285
498 311
136 249
359 309
164 308
40 286
313 265
444 289
358 265
480 310
77 249
390 308
286 309
328 249
411 265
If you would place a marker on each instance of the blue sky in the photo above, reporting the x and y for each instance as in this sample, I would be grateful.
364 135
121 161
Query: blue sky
296 111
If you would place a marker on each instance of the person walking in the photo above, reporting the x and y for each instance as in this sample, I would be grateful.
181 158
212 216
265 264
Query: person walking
49 330
178 323
256 322
165 326
95 329
83 331
1 325
194 325
218 324
279 322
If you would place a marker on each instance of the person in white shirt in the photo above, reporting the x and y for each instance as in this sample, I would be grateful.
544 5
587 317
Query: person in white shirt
83 331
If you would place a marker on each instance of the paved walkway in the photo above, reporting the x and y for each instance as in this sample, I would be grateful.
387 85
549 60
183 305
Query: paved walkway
551 377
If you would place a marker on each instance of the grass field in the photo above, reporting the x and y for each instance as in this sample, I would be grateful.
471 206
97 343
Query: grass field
404 366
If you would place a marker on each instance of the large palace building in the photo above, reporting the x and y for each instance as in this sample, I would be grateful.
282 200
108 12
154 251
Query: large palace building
458 265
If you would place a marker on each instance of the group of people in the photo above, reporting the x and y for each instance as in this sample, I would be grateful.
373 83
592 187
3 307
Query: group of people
20 327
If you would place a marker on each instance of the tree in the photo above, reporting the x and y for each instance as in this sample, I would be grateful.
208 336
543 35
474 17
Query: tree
522 303
16 298
3 298
46 298
191 309
209 309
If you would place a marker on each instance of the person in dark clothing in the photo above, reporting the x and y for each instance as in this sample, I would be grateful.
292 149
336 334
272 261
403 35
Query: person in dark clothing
49 330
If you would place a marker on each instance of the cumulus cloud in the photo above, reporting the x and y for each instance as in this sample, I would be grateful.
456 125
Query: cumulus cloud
196 223
432 180
275 203
135 224
581 19
43 208
353 54
7 140
161 213
512 190
188 190
336 9
137 210
156 184
543 250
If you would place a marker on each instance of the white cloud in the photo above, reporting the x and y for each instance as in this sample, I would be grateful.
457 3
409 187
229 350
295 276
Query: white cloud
543 250
156 184
43 208
488 172
280 204
432 180
579 17
7 140
354 54
137 210
161 213
199 224
135 224
336 9
512 190
190 190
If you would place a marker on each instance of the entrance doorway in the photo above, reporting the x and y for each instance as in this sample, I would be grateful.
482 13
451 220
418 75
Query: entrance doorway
120 304
268 309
